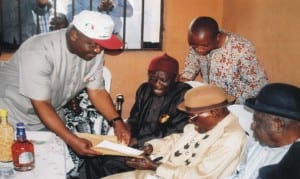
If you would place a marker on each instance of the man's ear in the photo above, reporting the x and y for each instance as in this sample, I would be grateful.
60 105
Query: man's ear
219 36
277 125
73 35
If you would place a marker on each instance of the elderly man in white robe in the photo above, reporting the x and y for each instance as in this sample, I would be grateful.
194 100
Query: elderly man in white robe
210 147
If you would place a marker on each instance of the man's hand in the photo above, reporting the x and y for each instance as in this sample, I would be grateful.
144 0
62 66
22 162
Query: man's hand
148 149
58 22
82 147
133 141
182 79
121 131
142 163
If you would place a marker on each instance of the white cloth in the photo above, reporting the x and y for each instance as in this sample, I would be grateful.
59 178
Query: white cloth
256 157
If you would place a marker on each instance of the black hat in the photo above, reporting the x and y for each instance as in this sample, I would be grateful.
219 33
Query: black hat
278 99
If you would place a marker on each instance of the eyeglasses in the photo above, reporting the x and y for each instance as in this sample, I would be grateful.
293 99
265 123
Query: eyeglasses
193 118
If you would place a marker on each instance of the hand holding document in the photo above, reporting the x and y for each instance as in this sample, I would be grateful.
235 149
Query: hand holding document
128 151
108 145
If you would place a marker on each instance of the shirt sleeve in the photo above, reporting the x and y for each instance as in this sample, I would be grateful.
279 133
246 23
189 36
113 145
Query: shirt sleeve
252 75
35 75
192 66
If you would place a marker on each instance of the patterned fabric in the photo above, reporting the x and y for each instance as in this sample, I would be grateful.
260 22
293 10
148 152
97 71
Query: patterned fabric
234 67
81 116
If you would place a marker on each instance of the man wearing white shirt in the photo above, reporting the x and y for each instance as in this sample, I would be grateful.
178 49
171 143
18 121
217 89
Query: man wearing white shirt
49 69
276 127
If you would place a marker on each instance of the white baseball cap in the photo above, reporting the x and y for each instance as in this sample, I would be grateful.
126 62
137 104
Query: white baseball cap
98 27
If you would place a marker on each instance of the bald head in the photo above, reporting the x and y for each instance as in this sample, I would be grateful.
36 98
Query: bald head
204 24
204 35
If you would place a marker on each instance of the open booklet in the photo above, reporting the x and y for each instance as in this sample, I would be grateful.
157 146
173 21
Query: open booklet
108 145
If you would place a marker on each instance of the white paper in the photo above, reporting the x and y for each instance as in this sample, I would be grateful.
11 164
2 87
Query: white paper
119 148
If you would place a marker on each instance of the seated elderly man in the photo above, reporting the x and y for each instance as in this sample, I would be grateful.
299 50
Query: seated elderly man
153 115
210 147
276 127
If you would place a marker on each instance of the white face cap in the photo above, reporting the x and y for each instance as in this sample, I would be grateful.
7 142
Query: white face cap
98 27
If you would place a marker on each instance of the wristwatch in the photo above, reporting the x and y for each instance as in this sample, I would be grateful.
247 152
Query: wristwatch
112 121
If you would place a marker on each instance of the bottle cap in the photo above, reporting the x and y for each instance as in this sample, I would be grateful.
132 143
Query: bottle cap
3 113
20 130
20 124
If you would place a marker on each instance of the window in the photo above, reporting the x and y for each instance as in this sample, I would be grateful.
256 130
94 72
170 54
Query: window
140 23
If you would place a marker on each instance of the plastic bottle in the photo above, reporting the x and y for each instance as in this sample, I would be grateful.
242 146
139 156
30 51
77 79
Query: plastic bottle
6 137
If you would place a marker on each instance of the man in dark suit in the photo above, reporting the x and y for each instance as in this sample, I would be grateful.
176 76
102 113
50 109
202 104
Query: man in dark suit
153 115
276 127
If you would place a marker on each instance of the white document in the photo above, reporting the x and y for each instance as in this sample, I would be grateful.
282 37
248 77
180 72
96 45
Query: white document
119 148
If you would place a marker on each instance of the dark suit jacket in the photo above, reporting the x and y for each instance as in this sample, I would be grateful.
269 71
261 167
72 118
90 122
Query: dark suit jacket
287 168
141 111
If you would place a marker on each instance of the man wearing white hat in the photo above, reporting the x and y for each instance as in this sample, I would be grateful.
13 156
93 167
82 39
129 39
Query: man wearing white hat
50 69
211 147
